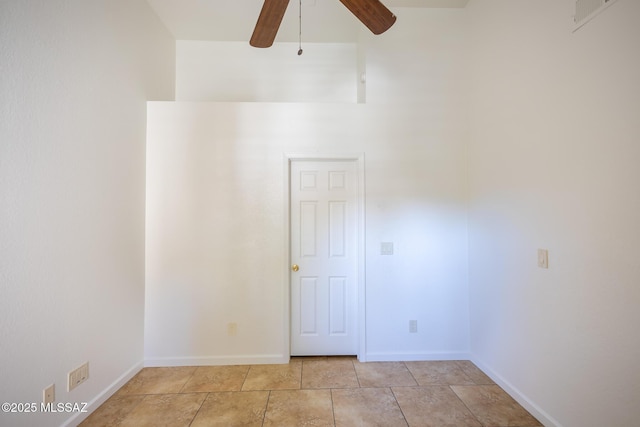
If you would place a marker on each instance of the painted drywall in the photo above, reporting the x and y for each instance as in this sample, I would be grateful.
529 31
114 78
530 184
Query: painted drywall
237 72
74 80
216 209
553 159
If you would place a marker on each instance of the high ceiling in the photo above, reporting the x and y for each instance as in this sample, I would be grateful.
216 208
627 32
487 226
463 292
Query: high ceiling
323 21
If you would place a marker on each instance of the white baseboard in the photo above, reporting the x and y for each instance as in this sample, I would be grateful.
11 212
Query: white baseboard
520 397
102 397
412 357
261 359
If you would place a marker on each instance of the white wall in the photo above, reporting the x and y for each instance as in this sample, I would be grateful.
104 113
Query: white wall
415 127
237 72
553 161
74 80
216 219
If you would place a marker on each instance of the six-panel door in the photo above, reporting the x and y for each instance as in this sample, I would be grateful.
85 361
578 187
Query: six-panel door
324 247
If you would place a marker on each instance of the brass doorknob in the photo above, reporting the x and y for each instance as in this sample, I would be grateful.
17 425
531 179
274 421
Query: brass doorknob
295 267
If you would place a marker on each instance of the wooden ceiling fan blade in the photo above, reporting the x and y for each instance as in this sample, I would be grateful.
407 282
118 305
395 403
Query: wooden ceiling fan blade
373 14
268 23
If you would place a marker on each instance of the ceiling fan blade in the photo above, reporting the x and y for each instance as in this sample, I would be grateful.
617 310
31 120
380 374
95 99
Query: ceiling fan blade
268 23
371 13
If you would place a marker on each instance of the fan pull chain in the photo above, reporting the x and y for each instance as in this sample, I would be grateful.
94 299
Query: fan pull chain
300 28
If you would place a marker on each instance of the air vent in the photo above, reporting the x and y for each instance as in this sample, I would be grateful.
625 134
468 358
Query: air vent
586 10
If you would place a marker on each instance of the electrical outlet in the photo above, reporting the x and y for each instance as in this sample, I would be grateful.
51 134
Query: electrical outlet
413 326
49 394
232 329
78 376
386 248
543 258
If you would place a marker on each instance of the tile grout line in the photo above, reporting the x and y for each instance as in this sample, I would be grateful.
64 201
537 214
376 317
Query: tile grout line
396 398
464 403
130 411
461 369
333 411
356 372
399 407
246 375
266 408
450 388
198 411
188 379
411 373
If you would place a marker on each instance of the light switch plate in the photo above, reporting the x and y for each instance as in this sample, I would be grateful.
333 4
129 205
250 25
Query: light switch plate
77 376
386 248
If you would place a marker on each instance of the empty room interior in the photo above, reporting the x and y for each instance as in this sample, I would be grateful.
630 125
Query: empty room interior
154 167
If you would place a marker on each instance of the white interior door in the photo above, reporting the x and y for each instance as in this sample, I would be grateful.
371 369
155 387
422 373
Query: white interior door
324 215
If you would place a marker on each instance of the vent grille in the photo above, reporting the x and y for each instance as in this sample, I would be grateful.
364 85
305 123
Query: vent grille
586 10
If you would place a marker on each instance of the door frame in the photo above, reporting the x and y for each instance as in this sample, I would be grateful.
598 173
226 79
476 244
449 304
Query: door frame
359 160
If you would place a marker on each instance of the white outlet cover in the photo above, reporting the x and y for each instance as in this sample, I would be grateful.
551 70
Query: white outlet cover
232 329
413 326
49 394
543 258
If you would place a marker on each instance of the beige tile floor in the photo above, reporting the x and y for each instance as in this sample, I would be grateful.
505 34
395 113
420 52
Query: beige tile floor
317 391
